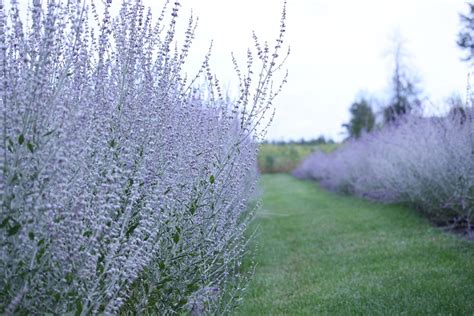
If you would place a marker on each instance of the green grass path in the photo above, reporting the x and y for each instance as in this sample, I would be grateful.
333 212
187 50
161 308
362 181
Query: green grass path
322 254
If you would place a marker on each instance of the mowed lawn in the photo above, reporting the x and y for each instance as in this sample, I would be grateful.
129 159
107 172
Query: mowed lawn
324 254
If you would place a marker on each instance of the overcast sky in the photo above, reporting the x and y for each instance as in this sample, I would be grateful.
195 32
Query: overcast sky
338 51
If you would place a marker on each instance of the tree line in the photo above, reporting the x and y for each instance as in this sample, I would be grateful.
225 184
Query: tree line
405 92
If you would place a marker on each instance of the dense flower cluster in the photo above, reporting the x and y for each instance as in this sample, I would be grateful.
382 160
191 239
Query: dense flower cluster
426 162
123 188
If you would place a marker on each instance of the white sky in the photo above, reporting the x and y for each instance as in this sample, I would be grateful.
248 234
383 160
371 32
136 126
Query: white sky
338 50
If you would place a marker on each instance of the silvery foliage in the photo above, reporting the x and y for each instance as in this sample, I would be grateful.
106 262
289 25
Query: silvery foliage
123 188
426 162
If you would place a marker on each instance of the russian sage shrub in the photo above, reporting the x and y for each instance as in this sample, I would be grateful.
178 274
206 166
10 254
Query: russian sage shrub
124 188
424 161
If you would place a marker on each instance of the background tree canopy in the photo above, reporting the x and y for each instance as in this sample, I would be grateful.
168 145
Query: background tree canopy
362 119
466 35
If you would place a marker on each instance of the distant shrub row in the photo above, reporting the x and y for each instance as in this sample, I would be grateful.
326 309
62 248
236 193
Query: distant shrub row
427 162
284 158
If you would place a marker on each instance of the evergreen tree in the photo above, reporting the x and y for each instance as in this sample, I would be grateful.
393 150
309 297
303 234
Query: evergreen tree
466 35
405 91
362 119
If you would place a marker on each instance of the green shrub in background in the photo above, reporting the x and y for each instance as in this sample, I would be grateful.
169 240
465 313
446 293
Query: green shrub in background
285 157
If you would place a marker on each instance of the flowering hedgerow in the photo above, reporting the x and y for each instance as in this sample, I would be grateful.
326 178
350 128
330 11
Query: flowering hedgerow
427 162
123 188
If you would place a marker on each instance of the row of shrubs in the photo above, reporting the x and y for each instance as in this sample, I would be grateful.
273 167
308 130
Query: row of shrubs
427 162
285 157
123 189
282 158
